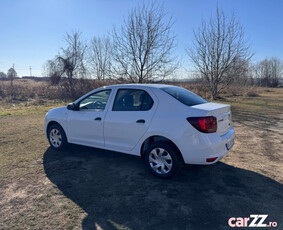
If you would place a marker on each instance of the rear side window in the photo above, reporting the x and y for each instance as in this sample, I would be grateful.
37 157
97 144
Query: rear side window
185 96
132 100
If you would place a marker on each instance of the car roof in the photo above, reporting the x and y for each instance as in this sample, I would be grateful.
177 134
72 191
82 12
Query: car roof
158 86
139 85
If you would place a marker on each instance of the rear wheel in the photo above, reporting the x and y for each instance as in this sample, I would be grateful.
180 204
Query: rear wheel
162 160
57 137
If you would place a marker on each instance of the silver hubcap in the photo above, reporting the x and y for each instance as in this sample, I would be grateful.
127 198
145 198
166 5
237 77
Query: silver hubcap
160 161
55 138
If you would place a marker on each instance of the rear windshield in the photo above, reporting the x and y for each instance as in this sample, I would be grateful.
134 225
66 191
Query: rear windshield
185 96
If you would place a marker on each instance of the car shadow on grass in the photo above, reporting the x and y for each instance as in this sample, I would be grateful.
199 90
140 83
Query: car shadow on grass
117 192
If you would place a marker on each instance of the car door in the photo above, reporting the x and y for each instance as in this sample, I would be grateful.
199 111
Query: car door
85 125
129 118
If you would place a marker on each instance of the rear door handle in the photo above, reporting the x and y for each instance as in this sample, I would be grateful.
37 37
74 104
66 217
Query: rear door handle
98 119
141 121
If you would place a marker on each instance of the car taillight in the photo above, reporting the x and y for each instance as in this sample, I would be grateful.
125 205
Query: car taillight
204 124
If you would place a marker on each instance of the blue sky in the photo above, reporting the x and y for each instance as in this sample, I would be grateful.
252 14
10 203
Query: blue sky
32 31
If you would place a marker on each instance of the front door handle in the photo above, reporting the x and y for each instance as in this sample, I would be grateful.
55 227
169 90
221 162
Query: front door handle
98 119
141 121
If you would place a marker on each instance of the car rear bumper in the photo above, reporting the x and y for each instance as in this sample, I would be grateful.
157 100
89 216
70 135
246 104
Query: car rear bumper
206 149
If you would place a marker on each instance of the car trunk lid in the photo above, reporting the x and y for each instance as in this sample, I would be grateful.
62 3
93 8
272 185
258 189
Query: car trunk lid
222 112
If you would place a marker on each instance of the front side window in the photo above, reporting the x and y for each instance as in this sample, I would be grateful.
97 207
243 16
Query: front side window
185 96
132 100
96 101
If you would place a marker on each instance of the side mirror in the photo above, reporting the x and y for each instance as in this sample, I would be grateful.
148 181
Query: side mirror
71 106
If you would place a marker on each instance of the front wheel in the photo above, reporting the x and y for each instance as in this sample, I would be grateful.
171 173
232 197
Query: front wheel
162 160
57 137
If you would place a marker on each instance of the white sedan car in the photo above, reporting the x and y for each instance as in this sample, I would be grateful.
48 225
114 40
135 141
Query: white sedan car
167 126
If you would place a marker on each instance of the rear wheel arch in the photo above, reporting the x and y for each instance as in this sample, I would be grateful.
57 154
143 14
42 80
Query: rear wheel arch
156 138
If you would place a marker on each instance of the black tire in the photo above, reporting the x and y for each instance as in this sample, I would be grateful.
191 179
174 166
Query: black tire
63 140
176 160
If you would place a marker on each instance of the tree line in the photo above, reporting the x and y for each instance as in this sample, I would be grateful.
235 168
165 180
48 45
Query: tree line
142 50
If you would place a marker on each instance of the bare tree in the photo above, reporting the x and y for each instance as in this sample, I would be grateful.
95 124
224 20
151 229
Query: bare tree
143 46
240 73
269 71
100 58
53 70
3 75
218 51
11 75
72 58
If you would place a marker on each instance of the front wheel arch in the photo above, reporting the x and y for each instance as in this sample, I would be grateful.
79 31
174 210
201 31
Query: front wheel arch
50 123
58 136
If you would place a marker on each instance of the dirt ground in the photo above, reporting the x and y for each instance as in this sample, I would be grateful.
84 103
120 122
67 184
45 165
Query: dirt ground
86 188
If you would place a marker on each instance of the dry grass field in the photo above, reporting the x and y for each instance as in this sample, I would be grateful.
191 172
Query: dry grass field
86 188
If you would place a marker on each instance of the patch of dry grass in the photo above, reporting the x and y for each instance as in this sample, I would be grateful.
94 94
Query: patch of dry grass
24 90
28 108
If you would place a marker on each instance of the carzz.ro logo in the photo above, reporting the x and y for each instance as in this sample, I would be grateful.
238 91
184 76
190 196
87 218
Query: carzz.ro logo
254 220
